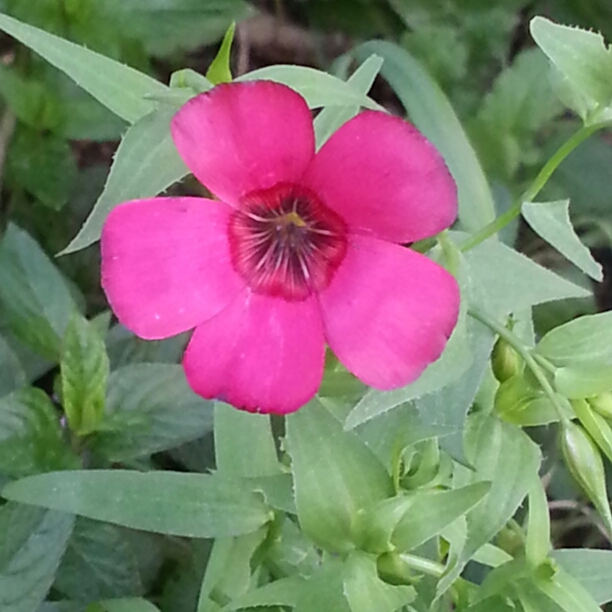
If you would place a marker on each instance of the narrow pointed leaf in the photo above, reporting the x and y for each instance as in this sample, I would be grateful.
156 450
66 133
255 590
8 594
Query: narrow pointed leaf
316 87
219 69
252 435
332 117
120 88
146 163
335 474
585 339
32 544
84 374
189 505
552 222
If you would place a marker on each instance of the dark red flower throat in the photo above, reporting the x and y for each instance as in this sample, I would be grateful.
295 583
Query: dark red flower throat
285 242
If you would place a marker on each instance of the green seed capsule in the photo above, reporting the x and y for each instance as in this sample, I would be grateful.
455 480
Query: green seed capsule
602 404
586 466
505 361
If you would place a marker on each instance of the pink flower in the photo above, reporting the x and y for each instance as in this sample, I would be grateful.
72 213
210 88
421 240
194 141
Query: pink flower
301 249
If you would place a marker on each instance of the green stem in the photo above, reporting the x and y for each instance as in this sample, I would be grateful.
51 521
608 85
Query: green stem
532 191
524 352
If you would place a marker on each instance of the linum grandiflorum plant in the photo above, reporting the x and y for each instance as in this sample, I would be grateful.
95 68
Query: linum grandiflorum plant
396 475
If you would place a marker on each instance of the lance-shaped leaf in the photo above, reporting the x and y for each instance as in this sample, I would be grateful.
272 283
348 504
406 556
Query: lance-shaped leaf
316 87
504 455
592 568
252 435
84 374
34 294
120 88
335 474
552 222
584 65
32 544
332 117
189 505
150 408
146 163
583 340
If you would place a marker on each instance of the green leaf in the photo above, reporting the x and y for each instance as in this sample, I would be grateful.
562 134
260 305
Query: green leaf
325 590
504 281
332 117
145 164
188 505
84 373
43 165
283 592
504 455
507 457
445 410
98 564
584 63
316 87
431 511
583 380
592 568
150 408
402 523
219 69
32 545
187 78
129 604
537 542
229 573
34 294
522 403
252 434
432 113
335 474
31 439
551 221
120 88
567 592
493 604
583 340
366 592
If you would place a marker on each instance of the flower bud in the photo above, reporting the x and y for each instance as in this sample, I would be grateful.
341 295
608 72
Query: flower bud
584 462
505 361
602 404
597 427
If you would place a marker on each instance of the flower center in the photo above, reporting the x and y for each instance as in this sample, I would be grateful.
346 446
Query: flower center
285 242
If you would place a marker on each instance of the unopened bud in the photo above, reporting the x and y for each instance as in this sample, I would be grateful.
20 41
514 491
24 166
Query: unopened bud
505 361
584 462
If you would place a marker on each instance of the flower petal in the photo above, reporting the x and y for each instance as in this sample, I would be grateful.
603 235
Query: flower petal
260 354
385 179
388 312
241 137
166 264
